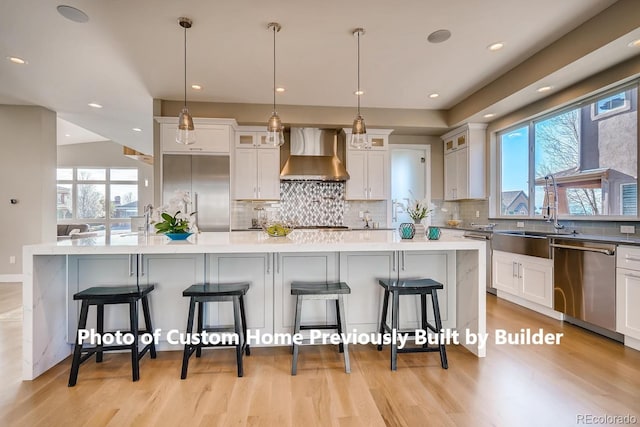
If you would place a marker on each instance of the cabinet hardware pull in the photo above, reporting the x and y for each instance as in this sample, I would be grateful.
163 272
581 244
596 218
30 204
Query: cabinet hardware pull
514 270
519 271
195 209
393 262
277 255
635 276
195 149
403 253
631 258
130 266
141 264
269 262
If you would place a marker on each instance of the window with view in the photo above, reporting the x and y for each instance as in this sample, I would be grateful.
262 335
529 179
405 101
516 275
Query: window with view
104 198
590 149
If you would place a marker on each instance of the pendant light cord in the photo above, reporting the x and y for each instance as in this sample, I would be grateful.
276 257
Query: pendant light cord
185 67
358 73
274 68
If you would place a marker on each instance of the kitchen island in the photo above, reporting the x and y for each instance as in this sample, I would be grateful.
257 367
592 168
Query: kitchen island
54 272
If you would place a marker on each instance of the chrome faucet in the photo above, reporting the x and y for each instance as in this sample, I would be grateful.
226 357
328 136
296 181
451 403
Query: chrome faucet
148 211
551 212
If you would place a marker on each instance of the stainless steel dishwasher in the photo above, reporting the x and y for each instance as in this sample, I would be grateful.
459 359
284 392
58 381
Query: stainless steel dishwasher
584 281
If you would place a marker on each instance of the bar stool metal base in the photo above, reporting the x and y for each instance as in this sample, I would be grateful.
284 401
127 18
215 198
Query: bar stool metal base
320 291
105 295
422 287
207 292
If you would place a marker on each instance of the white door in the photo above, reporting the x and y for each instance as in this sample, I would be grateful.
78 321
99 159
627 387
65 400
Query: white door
410 179
377 175
357 167
245 175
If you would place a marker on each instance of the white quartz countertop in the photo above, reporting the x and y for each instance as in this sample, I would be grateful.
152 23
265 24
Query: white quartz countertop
256 242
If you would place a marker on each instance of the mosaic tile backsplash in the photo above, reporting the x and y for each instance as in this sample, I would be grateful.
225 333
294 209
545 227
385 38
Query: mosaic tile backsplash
312 202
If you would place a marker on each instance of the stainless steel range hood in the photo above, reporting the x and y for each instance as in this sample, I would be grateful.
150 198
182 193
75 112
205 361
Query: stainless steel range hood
314 156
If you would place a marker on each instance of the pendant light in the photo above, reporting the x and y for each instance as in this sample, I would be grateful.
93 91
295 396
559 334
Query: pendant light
359 131
275 130
185 133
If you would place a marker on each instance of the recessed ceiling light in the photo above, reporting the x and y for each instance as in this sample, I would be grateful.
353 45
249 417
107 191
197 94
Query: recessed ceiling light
73 14
94 105
358 92
495 46
280 89
67 135
16 60
439 36
196 87
635 43
488 115
434 95
544 88
137 130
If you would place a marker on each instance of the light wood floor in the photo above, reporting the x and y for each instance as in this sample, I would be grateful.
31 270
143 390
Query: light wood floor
512 386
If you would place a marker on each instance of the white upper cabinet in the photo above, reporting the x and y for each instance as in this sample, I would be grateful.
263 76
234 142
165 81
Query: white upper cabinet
368 168
256 172
213 136
464 163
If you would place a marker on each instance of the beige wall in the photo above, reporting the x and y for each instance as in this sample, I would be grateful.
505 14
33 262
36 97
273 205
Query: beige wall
108 154
406 121
28 174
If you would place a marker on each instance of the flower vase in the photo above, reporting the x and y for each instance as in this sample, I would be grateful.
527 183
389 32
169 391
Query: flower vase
421 231
406 230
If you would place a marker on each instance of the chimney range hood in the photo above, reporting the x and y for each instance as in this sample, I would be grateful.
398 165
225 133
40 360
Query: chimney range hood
314 156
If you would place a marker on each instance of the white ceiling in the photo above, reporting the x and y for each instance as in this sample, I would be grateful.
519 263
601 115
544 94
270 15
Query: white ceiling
67 133
131 52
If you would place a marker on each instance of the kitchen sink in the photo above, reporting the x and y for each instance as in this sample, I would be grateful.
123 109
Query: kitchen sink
531 243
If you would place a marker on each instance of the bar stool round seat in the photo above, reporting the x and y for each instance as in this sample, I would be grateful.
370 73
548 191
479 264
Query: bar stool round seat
422 287
105 295
320 291
201 293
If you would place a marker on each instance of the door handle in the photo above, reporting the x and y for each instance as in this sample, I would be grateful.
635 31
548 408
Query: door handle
403 259
631 258
269 262
195 209
141 258
635 276
393 262
514 269
130 266
277 255
519 271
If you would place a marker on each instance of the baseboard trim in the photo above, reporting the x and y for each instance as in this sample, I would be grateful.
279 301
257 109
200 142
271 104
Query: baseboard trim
632 343
11 278
530 305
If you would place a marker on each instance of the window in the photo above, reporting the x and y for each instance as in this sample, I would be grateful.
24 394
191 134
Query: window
104 198
514 159
590 148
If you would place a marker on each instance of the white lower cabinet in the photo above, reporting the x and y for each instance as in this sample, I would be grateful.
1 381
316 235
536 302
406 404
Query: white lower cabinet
257 269
171 274
628 291
311 267
439 266
362 270
524 276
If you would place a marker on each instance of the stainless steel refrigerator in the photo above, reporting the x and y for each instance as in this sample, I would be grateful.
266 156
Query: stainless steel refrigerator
206 178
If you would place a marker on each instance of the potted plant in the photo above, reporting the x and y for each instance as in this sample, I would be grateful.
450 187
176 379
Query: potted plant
417 211
172 220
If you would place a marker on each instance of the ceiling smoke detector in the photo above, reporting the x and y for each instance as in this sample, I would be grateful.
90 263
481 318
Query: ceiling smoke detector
439 36
73 14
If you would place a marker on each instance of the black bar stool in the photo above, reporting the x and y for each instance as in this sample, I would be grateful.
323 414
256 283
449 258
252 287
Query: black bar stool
209 292
105 295
422 287
321 291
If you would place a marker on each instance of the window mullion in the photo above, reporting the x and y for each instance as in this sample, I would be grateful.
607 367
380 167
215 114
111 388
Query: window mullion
532 168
